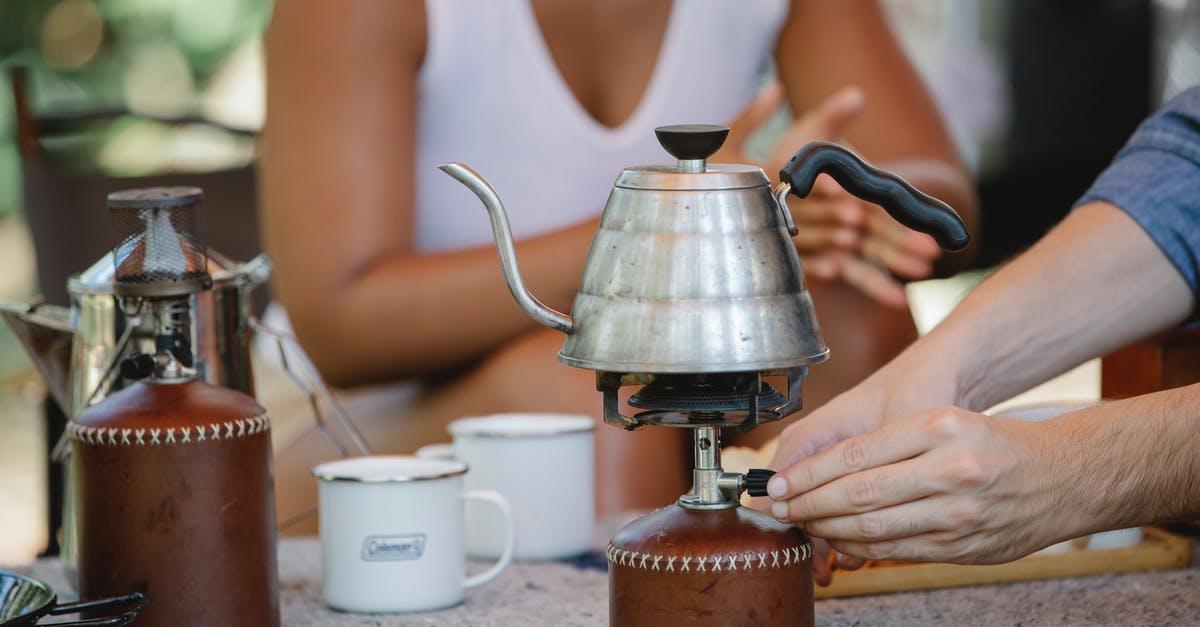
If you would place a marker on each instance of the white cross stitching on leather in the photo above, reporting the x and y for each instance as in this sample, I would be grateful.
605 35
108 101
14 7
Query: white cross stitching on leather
216 434
241 424
170 435
671 564
125 437
657 559
687 559
774 559
187 434
140 433
154 435
228 430
112 437
796 555
732 562
700 564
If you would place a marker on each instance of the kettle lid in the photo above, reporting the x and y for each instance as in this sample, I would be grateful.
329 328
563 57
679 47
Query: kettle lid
691 145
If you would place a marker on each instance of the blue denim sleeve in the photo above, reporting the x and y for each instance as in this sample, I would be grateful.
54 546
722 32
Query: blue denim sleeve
1155 178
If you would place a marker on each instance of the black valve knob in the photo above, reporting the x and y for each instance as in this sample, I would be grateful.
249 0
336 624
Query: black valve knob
692 141
137 366
756 481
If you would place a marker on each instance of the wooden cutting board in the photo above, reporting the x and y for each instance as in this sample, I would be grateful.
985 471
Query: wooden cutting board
1158 550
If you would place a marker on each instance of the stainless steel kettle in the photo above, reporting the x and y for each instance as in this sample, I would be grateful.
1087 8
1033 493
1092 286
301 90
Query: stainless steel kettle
77 350
692 269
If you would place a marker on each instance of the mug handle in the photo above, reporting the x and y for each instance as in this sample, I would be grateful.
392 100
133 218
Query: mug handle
510 538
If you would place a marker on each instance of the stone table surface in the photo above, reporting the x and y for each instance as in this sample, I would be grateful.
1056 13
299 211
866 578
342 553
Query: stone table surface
564 594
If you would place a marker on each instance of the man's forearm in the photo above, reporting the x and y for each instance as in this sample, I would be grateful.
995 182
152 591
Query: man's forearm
1128 463
1093 284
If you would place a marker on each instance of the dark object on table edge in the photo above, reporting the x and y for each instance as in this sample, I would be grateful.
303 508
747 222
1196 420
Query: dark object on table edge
24 601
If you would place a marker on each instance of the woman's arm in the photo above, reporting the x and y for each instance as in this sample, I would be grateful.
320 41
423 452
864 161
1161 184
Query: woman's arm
338 206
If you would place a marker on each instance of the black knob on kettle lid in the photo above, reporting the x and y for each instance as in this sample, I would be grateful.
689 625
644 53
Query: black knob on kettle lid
756 481
692 141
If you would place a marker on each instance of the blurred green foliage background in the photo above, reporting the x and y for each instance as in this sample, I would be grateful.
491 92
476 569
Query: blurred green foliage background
145 65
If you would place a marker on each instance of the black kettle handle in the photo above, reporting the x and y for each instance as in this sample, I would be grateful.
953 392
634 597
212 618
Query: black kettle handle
908 205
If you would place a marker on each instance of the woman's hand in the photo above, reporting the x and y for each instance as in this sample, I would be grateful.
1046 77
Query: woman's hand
840 236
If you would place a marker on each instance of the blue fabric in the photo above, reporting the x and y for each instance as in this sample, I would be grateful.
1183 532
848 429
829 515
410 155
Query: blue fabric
1155 178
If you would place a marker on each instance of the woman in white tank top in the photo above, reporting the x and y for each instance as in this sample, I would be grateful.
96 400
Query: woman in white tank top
385 264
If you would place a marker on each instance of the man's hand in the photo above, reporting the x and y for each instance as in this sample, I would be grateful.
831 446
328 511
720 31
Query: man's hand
943 484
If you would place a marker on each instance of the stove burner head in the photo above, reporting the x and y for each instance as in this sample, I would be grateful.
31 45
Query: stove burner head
727 399
689 395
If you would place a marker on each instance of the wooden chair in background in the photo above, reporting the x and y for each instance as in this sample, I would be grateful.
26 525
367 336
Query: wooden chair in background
1163 362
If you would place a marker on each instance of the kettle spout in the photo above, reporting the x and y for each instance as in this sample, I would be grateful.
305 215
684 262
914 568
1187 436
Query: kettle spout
504 247
46 332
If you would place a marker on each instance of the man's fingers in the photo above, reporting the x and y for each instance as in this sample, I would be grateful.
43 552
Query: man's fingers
906 520
934 546
889 444
835 503
838 419
849 562
822 555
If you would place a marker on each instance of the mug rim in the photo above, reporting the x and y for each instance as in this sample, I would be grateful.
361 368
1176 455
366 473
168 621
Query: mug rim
553 423
346 469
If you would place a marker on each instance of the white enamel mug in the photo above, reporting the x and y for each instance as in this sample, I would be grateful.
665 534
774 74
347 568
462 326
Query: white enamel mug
544 465
392 533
